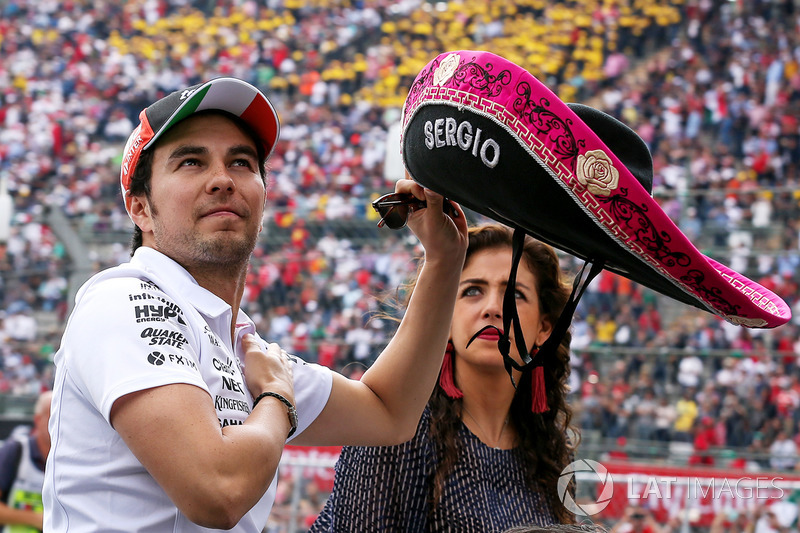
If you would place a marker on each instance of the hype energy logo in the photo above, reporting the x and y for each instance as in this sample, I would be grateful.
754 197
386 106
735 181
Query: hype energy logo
588 468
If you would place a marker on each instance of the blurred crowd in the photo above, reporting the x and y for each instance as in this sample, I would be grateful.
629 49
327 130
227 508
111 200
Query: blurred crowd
713 87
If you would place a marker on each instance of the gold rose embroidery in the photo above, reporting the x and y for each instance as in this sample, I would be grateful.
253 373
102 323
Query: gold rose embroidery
446 69
597 172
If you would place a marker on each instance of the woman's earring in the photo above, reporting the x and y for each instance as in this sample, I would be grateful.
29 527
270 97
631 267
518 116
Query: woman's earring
447 374
538 394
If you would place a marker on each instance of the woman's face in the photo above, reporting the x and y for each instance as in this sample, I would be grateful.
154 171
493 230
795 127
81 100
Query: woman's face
480 303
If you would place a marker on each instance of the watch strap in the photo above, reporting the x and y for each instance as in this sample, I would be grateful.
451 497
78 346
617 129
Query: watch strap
291 409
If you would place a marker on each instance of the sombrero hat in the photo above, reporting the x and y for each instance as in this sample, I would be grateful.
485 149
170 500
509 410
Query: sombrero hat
486 133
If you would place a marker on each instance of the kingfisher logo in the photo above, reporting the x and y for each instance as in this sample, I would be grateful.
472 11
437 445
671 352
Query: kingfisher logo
591 468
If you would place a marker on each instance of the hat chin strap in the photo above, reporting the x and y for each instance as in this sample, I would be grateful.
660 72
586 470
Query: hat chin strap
511 317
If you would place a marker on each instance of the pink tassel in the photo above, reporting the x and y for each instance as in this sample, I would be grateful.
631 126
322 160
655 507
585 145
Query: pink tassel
538 394
446 378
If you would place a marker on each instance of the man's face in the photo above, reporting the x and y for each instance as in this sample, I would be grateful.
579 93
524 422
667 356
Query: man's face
207 196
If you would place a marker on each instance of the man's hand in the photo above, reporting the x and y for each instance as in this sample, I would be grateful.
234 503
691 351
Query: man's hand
268 370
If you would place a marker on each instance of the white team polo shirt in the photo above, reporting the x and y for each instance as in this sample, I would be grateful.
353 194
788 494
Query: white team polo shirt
136 326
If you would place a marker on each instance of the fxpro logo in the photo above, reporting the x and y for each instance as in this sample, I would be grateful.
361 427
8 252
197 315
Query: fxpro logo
591 468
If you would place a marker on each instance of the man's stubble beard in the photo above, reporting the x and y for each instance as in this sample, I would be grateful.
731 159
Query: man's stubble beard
227 250
221 250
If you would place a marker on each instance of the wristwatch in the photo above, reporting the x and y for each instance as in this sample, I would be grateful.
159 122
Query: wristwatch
292 411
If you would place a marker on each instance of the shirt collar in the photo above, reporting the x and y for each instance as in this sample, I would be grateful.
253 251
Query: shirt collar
164 270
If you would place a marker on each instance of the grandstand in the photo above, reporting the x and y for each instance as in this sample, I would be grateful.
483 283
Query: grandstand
712 86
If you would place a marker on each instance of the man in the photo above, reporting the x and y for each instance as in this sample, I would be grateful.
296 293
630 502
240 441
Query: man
154 425
22 460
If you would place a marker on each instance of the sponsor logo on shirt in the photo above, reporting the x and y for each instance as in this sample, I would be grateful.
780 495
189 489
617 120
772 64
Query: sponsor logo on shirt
155 313
232 385
212 338
149 286
164 337
158 313
226 367
156 358
236 404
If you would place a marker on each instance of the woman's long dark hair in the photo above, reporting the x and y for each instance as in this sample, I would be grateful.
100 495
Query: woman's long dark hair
546 440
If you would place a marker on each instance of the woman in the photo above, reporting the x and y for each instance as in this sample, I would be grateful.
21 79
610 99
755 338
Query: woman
481 460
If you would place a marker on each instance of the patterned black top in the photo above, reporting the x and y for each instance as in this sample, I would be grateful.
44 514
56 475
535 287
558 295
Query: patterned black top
389 488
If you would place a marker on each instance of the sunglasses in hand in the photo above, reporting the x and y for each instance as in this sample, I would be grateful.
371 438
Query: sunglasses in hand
394 209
